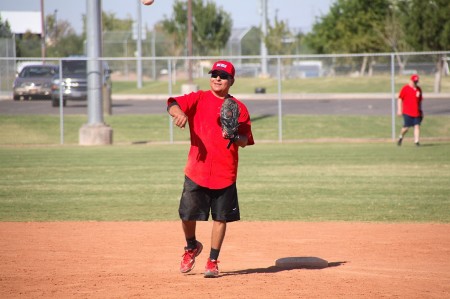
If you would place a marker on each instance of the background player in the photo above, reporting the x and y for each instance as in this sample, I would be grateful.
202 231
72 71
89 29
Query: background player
409 104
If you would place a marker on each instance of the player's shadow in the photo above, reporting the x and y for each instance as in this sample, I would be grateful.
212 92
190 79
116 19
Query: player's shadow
259 117
429 144
276 269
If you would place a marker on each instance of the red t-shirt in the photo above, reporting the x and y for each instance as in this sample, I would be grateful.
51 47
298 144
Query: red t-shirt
210 164
412 100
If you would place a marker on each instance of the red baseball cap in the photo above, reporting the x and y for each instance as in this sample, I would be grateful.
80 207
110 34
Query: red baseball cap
223 66
415 77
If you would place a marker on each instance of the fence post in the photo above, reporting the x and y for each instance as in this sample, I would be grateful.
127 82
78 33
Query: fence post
393 94
169 73
139 45
280 114
61 103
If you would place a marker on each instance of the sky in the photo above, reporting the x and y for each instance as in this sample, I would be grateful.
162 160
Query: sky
299 14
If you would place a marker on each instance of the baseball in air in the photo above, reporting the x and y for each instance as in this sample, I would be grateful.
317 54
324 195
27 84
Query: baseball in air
147 2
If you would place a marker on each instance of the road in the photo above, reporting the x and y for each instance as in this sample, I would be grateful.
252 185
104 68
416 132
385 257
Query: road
256 107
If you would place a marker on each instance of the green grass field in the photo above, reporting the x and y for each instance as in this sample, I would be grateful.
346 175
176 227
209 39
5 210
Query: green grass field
128 129
298 181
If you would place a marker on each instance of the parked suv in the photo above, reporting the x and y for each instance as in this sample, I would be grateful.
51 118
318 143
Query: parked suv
74 77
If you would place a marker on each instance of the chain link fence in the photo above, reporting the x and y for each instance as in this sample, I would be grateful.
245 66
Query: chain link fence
271 86
7 67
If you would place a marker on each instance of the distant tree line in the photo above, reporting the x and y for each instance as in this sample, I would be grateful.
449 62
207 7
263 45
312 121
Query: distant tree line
374 26
350 26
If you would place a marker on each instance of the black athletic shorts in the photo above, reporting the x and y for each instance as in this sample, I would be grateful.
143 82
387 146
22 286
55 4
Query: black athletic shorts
197 202
410 121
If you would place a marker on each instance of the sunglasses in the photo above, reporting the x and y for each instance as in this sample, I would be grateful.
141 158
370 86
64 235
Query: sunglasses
220 75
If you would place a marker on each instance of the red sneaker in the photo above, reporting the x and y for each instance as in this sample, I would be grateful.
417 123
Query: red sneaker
188 260
211 269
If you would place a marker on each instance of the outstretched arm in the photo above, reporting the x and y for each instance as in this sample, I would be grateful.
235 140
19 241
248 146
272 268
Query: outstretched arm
179 117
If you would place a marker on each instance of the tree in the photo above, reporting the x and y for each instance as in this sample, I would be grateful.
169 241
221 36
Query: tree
111 23
351 26
427 28
5 29
280 40
57 29
211 26
252 38
68 44
29 45
115 32
62 39
393 35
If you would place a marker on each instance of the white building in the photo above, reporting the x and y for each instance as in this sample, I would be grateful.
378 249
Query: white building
23 21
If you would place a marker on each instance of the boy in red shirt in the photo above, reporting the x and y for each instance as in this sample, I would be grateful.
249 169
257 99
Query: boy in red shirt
211 168
409 104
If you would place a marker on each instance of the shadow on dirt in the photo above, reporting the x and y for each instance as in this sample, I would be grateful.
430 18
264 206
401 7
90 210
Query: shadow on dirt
276 269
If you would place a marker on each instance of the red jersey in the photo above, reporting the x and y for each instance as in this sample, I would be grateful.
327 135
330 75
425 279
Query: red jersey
210 164
412 100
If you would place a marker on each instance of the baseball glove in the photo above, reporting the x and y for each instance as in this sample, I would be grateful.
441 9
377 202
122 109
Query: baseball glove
229 114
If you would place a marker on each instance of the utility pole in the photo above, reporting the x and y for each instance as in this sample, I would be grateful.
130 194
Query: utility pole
264 72
95 132
190 86
43 49
139 45
55 25
189 40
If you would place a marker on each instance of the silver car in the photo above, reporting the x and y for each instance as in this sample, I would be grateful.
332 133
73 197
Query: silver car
34 82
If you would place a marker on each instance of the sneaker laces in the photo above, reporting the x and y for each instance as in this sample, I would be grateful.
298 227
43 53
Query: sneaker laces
212 263
188 255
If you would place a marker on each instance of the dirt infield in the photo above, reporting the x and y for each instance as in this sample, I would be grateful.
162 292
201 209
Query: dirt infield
141 260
